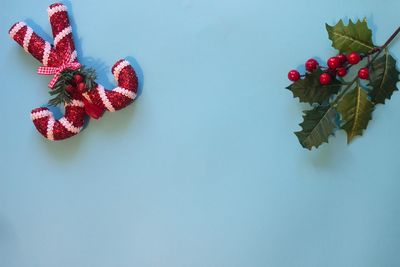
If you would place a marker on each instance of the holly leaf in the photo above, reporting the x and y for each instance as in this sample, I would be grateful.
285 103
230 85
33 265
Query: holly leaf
355 37
310 90
383 78
318 125
356 110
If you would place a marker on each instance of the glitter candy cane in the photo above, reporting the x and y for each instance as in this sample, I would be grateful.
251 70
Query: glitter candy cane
52 56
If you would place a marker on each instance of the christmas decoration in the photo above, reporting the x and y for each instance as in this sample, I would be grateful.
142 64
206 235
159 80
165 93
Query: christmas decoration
344 93
72 85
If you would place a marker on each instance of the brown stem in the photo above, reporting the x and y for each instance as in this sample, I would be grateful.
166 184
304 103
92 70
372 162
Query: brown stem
391 38
376 50
380 48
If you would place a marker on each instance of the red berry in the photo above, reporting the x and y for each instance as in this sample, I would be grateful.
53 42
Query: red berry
363 73
353 58
341 72
325 78
78 78
342 58
70 89
294 75
333 63
81 87
311 64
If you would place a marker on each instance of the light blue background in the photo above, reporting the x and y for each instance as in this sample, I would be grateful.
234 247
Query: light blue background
204 169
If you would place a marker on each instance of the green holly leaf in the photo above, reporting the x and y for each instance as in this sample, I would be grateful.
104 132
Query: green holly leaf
318 125
310 90
383 78
356 110
355 37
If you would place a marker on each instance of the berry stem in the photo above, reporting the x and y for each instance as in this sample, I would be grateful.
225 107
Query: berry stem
383 47
391 38
377 52
343 92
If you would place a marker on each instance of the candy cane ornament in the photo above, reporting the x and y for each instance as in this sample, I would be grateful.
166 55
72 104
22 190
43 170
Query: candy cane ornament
61 61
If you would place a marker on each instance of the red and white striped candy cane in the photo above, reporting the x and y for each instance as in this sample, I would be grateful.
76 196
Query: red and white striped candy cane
52 56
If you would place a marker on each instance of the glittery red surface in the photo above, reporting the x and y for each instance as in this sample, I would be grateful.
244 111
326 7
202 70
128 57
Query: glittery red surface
127 77
36 46
127 80
60 133
95 98
115 65
38 109
19 36
12 27
53 60
41 125
59 21
132 82
118 101
76 115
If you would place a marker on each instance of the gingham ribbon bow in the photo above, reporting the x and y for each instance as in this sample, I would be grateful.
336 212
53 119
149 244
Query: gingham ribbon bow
56 71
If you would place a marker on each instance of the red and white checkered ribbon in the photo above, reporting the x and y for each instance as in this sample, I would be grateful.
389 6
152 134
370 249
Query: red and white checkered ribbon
56 71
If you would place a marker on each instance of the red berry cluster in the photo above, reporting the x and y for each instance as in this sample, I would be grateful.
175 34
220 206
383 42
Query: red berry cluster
77 85
337 66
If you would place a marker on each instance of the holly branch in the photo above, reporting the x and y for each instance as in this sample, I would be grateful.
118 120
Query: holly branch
336 101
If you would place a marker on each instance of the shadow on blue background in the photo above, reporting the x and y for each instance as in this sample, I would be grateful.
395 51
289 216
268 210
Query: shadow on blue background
204 169
70 150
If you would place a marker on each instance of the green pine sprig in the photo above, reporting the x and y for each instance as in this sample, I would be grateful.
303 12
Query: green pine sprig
66 78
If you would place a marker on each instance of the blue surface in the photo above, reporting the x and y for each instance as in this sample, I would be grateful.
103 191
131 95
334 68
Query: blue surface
204 169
